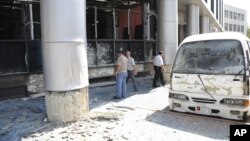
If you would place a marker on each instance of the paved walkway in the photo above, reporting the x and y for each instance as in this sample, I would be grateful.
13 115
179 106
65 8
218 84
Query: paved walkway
143 115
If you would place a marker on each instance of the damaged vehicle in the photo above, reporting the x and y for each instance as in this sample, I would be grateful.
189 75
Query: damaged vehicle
210 76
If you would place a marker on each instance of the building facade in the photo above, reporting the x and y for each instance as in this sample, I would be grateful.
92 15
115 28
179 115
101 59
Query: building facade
217 8
142 26
235 19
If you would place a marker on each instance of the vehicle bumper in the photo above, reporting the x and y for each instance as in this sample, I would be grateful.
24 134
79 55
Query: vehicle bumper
211 109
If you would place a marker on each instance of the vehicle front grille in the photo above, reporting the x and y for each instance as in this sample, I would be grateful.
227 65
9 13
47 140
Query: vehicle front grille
204 100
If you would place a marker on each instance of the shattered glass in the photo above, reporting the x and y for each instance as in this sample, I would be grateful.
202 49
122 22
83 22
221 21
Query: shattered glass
213 57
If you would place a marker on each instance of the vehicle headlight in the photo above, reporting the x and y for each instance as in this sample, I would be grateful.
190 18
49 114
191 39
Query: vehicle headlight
178 96
238 102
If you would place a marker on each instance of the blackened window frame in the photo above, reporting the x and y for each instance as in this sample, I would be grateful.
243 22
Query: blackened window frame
115 40
29 49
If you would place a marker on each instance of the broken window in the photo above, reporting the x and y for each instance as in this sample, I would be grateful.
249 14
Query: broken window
90 23
136 22
121 46
31 16
114 25
122 24
150 51
212 57
150 27
105 28
105 53
12 57
91 53
11 24
137 50
34 56
36 21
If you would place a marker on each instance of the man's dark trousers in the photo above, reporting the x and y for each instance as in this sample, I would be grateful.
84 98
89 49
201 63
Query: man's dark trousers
131 76
158 75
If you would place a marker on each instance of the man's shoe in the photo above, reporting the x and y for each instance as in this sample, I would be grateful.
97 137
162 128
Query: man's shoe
116 97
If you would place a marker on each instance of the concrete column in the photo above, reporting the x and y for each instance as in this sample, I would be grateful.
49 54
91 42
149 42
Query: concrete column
193 19
65 59
168 31
205 24
67 106
222 18
181 32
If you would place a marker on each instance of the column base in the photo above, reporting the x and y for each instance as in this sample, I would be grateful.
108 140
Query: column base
67 106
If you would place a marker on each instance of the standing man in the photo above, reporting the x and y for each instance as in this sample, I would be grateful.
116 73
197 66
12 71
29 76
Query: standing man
121 76
131 70
158 67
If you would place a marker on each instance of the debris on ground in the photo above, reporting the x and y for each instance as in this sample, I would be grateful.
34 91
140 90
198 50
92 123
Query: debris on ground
143 115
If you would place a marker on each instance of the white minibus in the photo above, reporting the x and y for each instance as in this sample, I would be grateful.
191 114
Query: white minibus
210 76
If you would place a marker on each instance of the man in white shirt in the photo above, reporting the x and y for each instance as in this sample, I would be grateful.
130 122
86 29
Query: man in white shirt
131 70
158 67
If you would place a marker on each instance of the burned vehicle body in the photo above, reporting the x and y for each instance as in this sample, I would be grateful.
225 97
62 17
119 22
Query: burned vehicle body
210 76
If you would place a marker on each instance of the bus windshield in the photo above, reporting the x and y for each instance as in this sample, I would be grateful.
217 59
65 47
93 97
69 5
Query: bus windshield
210 57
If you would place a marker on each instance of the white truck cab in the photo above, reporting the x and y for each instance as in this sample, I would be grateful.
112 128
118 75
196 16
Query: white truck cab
210 76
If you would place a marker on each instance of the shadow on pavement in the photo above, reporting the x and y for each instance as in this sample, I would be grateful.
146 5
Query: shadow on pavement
19 117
